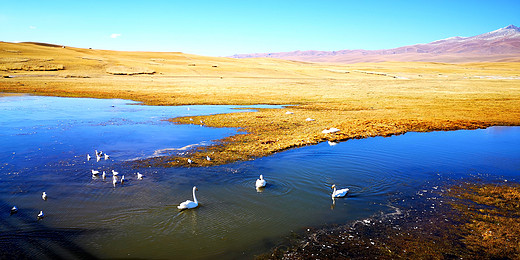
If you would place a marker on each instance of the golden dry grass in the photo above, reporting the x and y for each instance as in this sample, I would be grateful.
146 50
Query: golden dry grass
361 100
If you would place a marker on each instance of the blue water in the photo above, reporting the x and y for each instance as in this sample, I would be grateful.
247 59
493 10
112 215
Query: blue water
45 140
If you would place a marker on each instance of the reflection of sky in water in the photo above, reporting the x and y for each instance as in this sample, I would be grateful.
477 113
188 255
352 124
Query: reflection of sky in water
59 128
140 219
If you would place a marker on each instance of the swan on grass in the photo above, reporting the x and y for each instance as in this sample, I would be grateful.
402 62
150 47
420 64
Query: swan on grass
339 193
190 204
260 183
330 131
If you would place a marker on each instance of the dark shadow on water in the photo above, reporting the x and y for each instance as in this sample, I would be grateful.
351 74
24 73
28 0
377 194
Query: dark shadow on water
25 237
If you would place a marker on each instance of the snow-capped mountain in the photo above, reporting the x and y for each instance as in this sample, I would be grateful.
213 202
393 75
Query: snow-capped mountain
499 45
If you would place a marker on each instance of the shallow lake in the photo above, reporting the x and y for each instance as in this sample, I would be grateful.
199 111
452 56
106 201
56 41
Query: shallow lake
44 142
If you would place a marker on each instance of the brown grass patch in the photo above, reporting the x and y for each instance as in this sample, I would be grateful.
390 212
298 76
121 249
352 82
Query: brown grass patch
467 221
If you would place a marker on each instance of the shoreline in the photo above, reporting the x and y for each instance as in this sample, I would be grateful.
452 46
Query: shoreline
256 139
460 220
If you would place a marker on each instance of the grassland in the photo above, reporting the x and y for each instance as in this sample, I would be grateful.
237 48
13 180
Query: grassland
362 100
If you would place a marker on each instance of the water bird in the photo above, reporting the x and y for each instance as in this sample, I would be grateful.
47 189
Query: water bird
40 215
122 179
332 143
289 113
190 204
339 193
260 183
98 158
309 119
207 158
114 180
330 131
44 196
94 172
88 157
14 210
107 157
139 176
190 161
115 173
104 175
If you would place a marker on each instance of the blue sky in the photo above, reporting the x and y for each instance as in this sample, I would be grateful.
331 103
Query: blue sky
222 28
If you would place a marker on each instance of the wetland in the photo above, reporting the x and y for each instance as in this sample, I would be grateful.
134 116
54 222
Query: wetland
45 141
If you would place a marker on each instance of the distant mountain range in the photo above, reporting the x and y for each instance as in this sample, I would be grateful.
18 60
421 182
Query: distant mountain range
499 45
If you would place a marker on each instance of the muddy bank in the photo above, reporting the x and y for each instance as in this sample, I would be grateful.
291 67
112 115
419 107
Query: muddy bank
465 220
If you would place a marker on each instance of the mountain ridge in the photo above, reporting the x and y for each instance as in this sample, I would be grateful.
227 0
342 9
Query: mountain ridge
499 45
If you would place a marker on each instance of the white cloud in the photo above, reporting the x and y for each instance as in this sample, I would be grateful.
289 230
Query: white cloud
115 35
32 27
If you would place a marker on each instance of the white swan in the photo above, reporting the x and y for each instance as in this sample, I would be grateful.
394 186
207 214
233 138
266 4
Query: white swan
40 215
207 158
260 183
330 131
98 158
104 175
115 173
107 157
139 176
190 204
332 143
114 180
88 157
122 179
44 196
94 173
339 193
14 210
190 161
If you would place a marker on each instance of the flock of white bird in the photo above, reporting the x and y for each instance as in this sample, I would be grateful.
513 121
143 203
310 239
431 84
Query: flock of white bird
260 184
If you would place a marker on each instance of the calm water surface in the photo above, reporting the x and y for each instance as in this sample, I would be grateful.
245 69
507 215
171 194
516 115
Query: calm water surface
44 142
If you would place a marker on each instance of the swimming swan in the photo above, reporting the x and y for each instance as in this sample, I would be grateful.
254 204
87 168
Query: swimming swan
190 204
139 176
260 183
44 196
40 215
339 193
